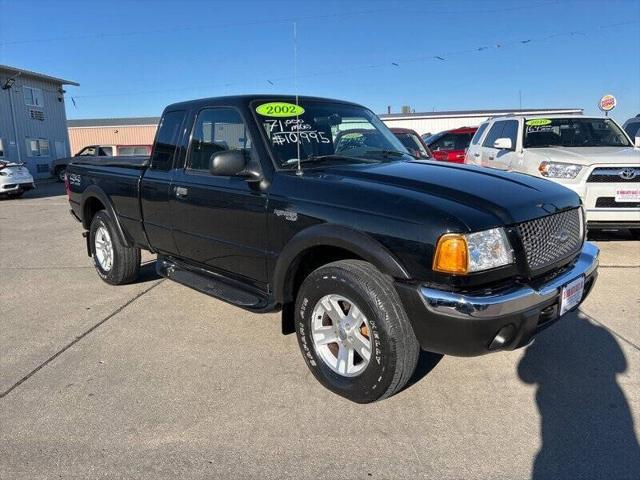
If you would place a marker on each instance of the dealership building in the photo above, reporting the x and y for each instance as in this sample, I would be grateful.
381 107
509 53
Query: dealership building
434 122
33 122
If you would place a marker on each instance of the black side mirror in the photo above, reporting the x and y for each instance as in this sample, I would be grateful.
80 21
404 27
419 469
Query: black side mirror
230 163
227 163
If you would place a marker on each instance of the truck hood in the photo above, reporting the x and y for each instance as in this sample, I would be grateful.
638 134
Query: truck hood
589 155
477 196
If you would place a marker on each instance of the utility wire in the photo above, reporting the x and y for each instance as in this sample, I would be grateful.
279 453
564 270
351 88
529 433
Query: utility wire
439 57
432 12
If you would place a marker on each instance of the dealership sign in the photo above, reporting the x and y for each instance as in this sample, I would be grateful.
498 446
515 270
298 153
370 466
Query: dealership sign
607 103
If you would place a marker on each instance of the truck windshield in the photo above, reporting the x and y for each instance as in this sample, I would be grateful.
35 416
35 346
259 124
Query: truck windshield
326 132
573 132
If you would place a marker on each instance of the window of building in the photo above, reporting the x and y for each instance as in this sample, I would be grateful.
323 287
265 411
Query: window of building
33 97
216 130
37 147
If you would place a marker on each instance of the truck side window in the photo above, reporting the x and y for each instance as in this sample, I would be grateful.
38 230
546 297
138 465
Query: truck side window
216 130
510 130
478 134
494 133
166 140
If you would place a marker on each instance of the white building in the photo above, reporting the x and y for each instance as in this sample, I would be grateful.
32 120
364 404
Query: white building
434 122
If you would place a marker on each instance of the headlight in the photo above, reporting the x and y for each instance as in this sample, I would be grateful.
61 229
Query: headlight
559 170
472 252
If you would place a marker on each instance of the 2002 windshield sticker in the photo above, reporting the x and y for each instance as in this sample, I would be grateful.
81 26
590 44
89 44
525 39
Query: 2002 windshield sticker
294 130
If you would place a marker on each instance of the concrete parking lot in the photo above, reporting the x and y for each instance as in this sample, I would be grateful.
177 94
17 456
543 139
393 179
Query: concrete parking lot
154 380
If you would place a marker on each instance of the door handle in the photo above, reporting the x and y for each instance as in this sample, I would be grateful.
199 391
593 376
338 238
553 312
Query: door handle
181 192
476 154
491 157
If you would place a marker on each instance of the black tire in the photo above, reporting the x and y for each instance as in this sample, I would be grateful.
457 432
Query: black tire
635 233
394 347
16 194
60 172
125 265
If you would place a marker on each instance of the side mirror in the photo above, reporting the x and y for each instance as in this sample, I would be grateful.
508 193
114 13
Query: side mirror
227 163
637 142
503 144
232 163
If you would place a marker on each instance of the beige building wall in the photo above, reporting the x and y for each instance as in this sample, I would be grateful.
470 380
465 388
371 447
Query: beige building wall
80 137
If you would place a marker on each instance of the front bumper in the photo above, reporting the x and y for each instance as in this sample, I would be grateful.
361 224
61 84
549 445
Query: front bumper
14 186
468 325
600 207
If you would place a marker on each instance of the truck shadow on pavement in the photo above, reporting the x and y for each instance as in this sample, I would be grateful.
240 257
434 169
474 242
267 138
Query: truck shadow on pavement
586 423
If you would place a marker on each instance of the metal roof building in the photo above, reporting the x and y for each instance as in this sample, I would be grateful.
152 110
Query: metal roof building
33 122
433 122
112 131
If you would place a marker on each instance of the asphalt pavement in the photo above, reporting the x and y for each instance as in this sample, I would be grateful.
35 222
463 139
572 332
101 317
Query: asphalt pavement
156 381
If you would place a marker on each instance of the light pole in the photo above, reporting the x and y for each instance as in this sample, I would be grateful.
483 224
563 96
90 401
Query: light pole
7 86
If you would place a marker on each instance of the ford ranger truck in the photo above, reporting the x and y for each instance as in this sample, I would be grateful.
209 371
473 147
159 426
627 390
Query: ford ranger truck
369 254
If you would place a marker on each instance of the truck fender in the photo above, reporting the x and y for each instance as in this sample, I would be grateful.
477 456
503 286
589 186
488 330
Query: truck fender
339 236
93 191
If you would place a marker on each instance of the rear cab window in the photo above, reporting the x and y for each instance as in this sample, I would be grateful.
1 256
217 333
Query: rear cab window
167 140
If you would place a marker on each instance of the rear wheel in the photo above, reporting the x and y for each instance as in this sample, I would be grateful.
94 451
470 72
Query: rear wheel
115 263
60 173
353 331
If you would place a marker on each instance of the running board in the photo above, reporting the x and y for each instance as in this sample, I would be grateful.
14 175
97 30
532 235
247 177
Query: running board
212 284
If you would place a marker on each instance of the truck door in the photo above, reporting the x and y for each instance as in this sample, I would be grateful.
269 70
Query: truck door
505 157
155 187
219 221
489 153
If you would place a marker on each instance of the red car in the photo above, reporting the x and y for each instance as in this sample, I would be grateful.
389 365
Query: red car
450 145
412 142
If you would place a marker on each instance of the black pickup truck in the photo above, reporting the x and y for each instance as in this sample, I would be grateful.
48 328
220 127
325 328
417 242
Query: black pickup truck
312 207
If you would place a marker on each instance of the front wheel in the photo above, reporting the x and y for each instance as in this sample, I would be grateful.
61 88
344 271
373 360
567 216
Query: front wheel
353 331
115 263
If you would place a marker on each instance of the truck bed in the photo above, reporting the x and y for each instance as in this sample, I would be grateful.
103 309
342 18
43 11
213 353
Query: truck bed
138 162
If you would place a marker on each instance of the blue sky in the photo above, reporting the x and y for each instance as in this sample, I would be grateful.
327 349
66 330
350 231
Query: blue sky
133 58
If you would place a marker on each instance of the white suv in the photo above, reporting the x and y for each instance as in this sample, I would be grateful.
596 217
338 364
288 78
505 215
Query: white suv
590 155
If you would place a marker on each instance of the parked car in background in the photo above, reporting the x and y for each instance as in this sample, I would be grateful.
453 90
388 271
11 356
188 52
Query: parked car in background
412 142
15 179
369 253
593 156
59 166
450 145
632 127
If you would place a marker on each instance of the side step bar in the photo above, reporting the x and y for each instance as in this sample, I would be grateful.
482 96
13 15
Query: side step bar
213 284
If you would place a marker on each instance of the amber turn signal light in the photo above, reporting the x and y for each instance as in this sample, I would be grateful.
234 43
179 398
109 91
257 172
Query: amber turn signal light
451 254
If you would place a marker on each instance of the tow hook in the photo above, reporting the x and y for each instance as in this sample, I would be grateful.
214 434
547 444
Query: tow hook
86 236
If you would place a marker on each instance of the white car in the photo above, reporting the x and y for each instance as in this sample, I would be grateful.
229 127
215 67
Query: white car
591 155
15 179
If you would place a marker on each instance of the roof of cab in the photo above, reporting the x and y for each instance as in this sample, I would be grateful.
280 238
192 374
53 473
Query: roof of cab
243 100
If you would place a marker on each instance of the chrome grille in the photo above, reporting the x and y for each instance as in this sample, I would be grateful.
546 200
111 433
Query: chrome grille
548 240
614 174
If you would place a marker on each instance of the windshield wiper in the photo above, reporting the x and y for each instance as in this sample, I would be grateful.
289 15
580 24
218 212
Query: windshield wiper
322 158
387 153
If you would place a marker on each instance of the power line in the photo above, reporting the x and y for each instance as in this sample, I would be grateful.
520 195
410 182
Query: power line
441 57
289 20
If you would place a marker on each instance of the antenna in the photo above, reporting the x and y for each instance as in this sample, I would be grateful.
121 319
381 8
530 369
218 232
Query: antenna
295 88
